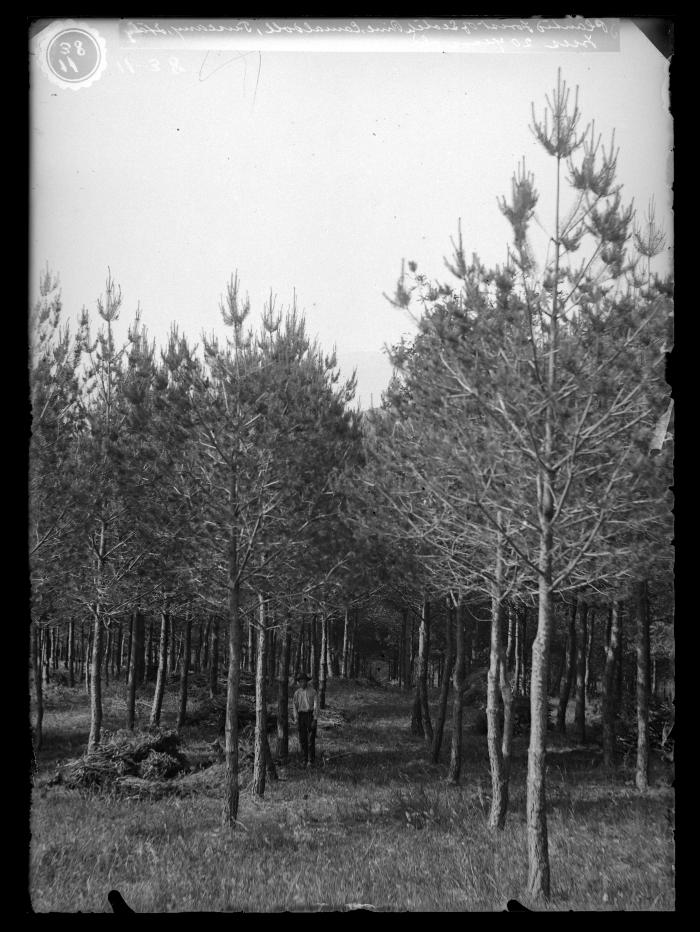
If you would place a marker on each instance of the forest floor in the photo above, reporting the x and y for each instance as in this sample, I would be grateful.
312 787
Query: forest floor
373 825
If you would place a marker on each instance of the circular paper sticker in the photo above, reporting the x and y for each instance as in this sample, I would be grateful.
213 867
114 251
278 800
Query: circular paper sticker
72 54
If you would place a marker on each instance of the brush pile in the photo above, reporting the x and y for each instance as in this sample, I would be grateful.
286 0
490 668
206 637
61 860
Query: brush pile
151 755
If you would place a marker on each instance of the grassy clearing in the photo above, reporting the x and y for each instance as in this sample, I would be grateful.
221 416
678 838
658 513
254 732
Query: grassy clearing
374 824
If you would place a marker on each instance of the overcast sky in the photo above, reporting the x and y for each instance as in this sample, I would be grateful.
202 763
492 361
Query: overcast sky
314 171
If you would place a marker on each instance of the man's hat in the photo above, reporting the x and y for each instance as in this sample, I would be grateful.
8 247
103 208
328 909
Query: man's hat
303 676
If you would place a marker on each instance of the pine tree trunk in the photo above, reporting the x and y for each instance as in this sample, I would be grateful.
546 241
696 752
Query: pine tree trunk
510 647
214 659
283 694
537 843
406 657
459 678
313 636
207 641
126 647
517 673
135 675
108 651
46 654
507 745
96 683
162 671
524 671
259 757
608 710
71 653
88 659
231 789
581 674
148 654
567 679
330 647
184 673
619 663
590 681
198 650
499 782
233 677
643 690
38 686
298 652
445 686
82 650
323 672
423 655
118 650
346 645
172 650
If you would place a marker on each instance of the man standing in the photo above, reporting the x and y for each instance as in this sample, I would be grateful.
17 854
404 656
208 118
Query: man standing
305 714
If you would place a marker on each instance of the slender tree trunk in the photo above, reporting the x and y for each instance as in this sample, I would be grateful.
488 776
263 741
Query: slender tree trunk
524 667
259 758
126 647
518 646
38 686
118 650
346 645
424 653
654 678
250 652
46 654
459 682
406 657
88 659
323 672
537 842
172 649
469 637
162 669
643 690
135 675
510 647
96 683
214 659
330 647
283 694
207 641
608 710
148 653
581 673
507 745
445 687
590 681
184 673
297 653
82 649
232 790
567 679
108 651
313 633
71 653
233 677
619 663
499 782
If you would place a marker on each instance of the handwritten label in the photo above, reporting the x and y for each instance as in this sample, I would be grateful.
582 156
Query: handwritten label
577 34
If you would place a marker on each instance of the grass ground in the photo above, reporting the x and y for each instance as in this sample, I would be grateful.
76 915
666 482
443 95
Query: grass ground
373 825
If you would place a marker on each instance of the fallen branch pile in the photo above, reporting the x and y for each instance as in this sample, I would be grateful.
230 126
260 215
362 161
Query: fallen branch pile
152 755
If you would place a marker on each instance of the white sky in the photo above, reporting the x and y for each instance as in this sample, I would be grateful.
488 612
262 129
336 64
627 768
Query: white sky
321 180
